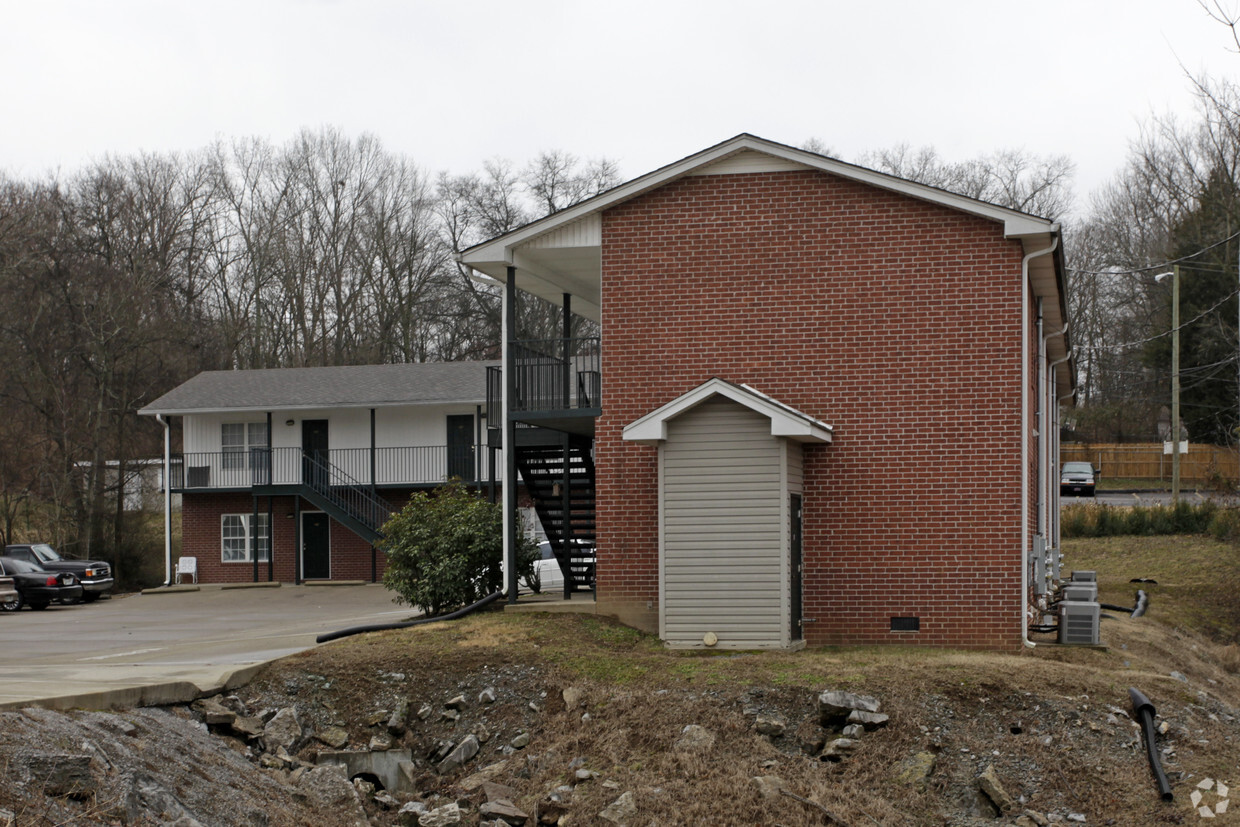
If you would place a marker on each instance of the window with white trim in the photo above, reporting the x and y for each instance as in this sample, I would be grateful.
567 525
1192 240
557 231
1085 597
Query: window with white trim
237 544
237 441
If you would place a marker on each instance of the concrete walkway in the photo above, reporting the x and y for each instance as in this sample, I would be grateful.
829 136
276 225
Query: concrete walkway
170 645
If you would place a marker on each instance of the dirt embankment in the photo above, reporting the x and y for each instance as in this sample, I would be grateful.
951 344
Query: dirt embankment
1050 726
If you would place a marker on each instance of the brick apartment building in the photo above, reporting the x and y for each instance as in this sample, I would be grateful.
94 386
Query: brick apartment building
821 407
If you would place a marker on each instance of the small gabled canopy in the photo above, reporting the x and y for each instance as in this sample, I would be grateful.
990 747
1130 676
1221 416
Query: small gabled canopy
786 422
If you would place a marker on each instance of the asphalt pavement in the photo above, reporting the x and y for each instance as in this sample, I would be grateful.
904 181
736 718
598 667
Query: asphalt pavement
171 645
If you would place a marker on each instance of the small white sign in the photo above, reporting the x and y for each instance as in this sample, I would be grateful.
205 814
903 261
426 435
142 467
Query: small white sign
1167 446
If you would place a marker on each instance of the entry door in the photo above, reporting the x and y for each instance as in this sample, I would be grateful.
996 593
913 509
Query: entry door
461 447
794 515
316 546
314 452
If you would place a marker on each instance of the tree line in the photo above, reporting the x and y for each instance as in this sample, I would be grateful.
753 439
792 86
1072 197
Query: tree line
127 277
123 279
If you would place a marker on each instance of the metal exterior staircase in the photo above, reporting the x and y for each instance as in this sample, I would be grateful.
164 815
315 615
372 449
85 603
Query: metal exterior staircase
349 502
558 471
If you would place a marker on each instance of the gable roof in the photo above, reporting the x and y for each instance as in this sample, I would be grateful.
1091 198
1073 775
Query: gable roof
786 421
352 386
577 236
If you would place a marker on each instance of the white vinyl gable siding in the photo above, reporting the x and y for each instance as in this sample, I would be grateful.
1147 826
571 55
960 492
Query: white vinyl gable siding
723 550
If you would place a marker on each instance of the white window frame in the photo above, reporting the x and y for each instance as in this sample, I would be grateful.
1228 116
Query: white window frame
229 534
239 455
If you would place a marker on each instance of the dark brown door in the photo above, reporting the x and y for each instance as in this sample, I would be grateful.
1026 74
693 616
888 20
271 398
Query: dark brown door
316 546
794 514
314 453
461 447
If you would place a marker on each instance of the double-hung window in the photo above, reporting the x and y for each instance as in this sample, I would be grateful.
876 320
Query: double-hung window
238 440
239 543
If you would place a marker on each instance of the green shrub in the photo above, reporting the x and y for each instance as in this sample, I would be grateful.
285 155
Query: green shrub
444 549
1183 518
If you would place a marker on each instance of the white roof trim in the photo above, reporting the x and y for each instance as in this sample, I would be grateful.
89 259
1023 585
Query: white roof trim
500 249
786 422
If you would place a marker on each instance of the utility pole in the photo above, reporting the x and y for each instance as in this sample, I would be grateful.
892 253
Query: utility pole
1175 384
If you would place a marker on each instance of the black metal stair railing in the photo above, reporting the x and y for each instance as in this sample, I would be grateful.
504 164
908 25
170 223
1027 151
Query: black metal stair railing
353 498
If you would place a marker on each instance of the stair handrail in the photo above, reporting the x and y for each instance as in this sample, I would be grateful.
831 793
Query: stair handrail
351 496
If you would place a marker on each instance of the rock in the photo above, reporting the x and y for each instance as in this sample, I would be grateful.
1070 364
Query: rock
481 732
772 725
768 786
248 728
1180 676
915 770
549 811
585 775
496 792
694 738
328 787
457 703
1079 818
270 762
834 704
424 712
364 787
1031 818
409 813
398 722
386 801
213 712
452 715
283 730
334 737
870 720
852 731
59 774
621 811
487 696
574 697
504 810
811 736
482 776
380 743
521 741
460 754
447 816
989 783
839 749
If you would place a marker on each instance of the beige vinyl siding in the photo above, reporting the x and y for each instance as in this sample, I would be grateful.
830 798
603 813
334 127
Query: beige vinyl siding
722 528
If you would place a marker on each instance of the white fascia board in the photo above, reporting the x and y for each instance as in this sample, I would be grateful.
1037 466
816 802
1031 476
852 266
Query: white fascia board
786 422
493 255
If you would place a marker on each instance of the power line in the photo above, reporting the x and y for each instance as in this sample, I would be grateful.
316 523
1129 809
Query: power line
1164 265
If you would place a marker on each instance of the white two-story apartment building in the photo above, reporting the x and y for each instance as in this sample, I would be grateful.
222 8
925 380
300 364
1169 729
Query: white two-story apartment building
288 474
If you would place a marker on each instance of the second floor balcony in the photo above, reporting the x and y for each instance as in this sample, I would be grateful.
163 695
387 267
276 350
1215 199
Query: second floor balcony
558 384
410 466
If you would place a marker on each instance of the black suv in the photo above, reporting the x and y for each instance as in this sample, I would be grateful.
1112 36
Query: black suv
94 575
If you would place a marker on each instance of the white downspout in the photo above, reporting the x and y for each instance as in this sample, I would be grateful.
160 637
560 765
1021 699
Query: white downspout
509 499
1024 439
1055 535
167 499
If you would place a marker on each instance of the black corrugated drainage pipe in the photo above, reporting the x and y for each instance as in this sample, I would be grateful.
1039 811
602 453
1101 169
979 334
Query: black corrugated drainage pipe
1145 715
384 627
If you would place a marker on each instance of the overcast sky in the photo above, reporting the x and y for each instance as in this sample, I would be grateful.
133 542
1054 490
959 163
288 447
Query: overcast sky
451 84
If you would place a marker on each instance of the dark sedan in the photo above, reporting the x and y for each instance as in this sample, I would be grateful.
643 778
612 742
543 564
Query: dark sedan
36 586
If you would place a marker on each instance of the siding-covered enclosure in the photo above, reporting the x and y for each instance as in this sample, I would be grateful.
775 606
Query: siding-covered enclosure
728 467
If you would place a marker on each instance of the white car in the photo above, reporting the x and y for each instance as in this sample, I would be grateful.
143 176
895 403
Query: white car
550 580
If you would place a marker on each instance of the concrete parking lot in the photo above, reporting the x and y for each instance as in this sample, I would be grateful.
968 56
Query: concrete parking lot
170 646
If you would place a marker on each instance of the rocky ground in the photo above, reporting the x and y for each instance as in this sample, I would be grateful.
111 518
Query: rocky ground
502 719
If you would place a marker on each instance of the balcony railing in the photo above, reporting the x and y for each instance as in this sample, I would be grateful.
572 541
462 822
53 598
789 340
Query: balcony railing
410 465
551 375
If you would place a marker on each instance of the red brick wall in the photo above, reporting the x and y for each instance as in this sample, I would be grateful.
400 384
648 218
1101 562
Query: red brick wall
893 320
200 527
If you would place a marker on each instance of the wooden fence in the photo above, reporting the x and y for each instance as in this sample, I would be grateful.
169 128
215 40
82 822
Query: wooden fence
1146 461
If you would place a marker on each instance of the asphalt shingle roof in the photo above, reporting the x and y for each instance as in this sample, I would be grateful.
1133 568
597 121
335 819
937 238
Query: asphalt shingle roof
354 386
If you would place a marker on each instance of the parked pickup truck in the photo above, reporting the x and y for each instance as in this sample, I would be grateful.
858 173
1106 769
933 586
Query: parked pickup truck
95 576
